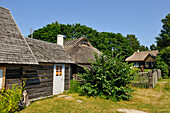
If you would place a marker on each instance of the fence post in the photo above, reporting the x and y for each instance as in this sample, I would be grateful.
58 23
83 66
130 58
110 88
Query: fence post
150 79
159 73
155 78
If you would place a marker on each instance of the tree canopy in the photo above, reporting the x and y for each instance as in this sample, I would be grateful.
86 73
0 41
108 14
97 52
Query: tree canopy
163 40
107 42
153 47
133 41
163 44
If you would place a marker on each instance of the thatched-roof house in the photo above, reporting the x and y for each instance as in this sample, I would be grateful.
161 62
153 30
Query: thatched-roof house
44 66
80 51
145 58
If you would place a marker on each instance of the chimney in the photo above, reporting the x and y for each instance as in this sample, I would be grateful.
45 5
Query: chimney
60 40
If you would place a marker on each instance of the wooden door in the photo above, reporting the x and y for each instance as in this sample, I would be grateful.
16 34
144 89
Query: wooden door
58 79
2 77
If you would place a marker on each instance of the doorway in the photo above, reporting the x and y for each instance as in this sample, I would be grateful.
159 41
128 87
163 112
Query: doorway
58 79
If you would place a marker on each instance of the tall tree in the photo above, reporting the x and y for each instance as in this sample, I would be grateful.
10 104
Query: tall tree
164 37
47 33
71 31
133 41
143 48
153 47
106 42
111 44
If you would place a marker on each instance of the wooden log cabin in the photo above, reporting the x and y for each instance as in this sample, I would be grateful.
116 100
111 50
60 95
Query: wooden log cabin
44 66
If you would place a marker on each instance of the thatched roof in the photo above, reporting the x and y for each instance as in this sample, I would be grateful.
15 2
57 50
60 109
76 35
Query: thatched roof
140 56
13 47
48 52
80 50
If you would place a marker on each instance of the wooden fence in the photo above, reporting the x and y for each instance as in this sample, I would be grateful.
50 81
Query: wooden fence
147 79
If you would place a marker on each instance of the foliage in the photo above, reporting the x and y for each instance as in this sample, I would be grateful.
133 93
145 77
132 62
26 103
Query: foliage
10 98
74 86
143 48
163 61
153 47
50 31
163 67
133 41
164 38
104 41
111 44
107 78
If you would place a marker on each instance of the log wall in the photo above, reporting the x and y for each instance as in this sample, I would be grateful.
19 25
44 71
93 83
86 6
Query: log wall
13 76
38 78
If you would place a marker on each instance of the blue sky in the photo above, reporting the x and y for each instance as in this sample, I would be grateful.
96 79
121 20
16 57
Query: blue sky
139 17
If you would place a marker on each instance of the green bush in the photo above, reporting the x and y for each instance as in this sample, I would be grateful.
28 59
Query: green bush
108 78
163 62
74 86
164 68
10 98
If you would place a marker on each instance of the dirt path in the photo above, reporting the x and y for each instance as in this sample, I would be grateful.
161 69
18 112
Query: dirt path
121 110
68 97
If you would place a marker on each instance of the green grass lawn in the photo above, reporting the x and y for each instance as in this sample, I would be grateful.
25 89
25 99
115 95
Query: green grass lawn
155 100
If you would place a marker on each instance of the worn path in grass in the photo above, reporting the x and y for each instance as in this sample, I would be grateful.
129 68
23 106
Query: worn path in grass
147 100
121 110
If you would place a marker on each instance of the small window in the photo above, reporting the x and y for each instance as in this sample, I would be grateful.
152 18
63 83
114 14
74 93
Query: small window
58 70
152 63
136 64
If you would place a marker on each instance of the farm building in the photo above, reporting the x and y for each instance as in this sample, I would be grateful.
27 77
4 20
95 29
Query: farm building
145 58
80 51
44 66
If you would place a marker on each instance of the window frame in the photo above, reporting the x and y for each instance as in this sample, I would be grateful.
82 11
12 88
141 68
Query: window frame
3 77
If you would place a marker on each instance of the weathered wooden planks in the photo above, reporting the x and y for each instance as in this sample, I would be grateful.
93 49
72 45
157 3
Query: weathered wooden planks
38 78
39 85
67 77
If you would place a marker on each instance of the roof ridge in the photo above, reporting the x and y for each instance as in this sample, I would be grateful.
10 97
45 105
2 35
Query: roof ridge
74 41
4 8
42 41
149 51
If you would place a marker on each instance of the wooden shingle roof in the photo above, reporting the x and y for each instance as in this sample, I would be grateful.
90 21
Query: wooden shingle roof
13 46
80 53
140 56
48 52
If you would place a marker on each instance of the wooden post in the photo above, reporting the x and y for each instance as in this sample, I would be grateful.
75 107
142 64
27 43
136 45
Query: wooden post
150 79
3 76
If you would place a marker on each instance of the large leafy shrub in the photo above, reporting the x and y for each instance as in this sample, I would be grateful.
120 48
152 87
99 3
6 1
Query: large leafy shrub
163 61
108 78
10 98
